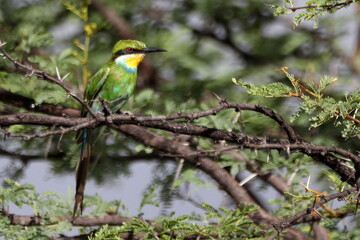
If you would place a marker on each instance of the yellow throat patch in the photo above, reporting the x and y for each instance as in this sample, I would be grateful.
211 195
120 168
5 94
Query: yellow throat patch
133 60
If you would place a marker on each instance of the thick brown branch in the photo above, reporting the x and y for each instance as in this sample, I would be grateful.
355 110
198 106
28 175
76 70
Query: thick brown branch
88 221
214 170
85 221
166 145
29 104
228 183
322 153
246 141
198 159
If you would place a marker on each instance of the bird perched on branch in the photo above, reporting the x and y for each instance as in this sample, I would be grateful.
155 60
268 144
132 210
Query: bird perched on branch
106 92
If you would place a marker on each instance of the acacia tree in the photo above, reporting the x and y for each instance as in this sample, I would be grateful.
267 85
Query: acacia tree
186 110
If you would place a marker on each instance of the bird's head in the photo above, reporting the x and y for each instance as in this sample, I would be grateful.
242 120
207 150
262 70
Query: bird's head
129 53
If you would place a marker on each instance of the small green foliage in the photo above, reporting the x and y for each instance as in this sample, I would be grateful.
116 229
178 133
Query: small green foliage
310 14
320 108
235 165
334 180
106 232
145 98
44 205
149 198
190 175
318 88
271 90
99 206
25 194
79 8
227 220
295 166
341 235
227 224
310 10
32 36
281 10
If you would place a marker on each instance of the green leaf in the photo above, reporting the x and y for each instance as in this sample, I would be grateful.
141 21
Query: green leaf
149 198
271 90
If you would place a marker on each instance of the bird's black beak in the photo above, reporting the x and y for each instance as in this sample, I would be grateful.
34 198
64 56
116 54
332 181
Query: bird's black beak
152 49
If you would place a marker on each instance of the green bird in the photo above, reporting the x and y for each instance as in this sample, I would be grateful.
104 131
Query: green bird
113 84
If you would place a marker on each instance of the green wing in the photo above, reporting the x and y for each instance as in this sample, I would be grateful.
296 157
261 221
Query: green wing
94 86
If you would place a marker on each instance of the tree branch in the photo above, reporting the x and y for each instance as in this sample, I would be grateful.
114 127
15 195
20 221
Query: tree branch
161 122
198 158
321 153
328 7
309 210
46 76
29 104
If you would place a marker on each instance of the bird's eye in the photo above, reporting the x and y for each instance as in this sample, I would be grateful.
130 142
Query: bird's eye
129 50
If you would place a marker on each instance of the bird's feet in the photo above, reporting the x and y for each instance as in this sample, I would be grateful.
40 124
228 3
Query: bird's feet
106 111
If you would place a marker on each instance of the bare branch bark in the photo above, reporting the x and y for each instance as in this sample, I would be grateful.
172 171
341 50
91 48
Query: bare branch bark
244 141
29 104
309 210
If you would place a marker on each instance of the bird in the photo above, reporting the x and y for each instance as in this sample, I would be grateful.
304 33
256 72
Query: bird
112 84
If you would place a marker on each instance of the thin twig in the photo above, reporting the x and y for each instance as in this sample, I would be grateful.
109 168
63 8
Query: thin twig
313 208
46 76
326 6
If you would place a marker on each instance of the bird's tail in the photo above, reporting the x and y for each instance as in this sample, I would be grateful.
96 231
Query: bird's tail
82 169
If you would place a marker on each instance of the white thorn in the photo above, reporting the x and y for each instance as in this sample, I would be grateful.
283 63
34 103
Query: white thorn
292 176
247 179
343 158
308 181
2 44
318 213
288 151
236 118
66 75
216 96
58 73
178 172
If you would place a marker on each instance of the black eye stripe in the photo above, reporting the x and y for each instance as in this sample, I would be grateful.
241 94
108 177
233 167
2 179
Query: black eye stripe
120 52
124 52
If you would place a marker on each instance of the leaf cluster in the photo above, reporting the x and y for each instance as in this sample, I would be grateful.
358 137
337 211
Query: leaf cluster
43 205
311 9
320 108
226 224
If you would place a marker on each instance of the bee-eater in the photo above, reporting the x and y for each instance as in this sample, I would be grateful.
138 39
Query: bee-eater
112 84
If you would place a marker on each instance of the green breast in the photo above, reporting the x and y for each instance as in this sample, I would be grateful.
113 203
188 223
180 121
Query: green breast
117 88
